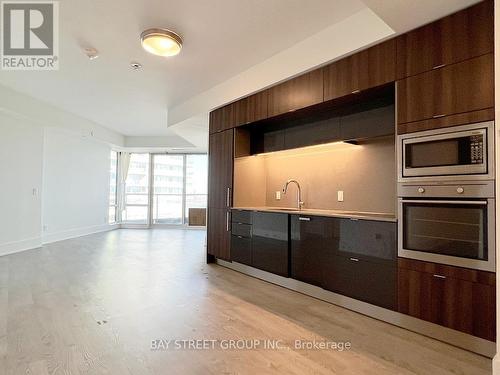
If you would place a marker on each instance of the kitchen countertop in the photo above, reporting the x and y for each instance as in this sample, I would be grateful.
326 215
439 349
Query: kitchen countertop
378 216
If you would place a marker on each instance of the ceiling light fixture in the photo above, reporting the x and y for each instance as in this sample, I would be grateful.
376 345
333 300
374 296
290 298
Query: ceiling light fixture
91 53
161 42
135 65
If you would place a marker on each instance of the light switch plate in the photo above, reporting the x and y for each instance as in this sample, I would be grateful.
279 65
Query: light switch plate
278 195
340 195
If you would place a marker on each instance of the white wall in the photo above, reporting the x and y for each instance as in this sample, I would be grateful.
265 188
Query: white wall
21 144
75 185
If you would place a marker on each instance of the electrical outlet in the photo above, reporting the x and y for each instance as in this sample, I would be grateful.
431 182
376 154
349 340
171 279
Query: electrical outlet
340 195
278 195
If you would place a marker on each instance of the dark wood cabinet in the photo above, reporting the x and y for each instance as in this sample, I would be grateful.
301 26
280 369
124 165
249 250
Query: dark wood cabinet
369 68
250 109
454 297
270 242
220 167
220 183
370 123
458 37
310 238
219 233
467 86
222 119
299 92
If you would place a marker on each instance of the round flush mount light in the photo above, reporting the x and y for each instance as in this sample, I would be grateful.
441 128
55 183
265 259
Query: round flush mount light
161 42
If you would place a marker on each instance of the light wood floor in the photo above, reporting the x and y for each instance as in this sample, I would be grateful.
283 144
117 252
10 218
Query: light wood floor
92 305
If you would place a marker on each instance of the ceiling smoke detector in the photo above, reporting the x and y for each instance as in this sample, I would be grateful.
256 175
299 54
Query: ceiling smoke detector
161 42
91 53
135 65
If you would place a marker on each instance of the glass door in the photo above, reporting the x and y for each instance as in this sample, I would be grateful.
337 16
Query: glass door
168 189
137 190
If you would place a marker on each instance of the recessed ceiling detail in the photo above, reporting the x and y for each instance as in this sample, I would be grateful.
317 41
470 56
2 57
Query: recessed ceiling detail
161 42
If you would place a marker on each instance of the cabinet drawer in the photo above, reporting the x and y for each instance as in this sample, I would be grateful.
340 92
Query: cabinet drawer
453 89
241 216
241 250
366 281
456 303
243 230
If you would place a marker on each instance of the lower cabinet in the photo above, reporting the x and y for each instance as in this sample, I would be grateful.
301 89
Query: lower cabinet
218 233
458 298
260 240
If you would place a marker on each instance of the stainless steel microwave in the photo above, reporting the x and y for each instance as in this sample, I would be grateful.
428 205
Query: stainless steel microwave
460 152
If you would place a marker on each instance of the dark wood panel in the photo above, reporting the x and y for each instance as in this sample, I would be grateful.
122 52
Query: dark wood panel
296 93
250 109
444 122
220 169
369 68
215 121
218 233
457 298
270 242
458 37
462 87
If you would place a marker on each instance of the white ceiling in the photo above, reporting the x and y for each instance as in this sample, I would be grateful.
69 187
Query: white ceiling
222 38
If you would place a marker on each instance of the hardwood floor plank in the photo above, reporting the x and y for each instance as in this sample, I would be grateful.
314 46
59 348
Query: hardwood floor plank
92 305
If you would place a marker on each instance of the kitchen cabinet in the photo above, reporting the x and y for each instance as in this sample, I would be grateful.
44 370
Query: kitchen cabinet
455 89
270 242
361 264
458 298
220 183
220 167
250 109
369 68
241 236
310 237
296 93
221 119
375 122
455 38
219 233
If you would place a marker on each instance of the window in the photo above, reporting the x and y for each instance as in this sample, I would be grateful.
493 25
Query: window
179 183
113 175
196 183
137 190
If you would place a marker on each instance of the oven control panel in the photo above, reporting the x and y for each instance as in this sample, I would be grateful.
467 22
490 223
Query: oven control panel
476 149
467 189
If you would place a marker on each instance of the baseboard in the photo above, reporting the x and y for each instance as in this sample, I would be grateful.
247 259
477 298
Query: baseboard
496 365
77 232
450 336
18 246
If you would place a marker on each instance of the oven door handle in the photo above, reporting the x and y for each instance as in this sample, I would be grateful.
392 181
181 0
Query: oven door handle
443 202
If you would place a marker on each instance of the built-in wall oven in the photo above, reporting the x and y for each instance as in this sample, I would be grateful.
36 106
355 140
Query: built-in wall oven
451 223
459 152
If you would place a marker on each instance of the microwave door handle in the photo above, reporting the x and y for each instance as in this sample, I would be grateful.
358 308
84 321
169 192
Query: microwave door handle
444 202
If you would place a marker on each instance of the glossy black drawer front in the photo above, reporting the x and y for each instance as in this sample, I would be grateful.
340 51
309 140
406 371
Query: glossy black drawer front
241 250
239 229
270 242
241 216
370 240
366 281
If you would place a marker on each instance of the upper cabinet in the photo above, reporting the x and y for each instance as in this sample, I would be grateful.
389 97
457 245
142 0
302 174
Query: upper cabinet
370 68
448 91
458 37
221 119
296 93
250 109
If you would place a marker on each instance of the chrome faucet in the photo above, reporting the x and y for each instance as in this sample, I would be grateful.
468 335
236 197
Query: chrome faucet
299 194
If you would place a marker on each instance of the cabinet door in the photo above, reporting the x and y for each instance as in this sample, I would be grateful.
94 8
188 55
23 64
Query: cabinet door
453 89
222 118
453 297
241 249
458 37
369 68
250 109
220 167
310 237
370 123
296 93
270 242
357 278
219 233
